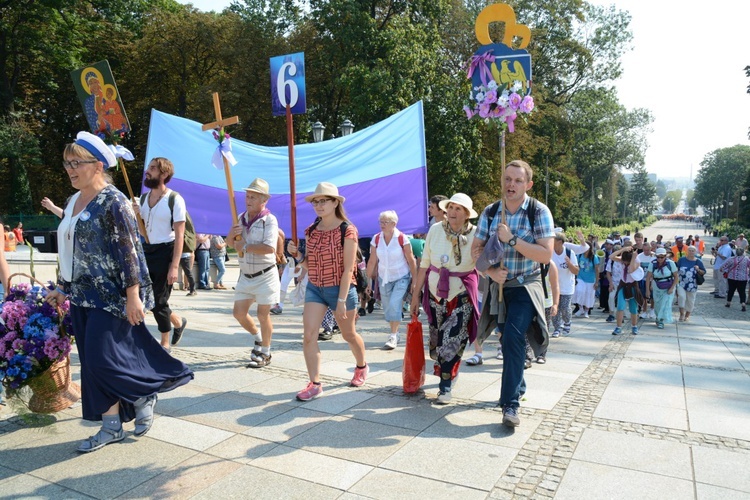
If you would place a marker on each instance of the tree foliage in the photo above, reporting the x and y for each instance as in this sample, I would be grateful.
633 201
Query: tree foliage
365 61
724 176
642 194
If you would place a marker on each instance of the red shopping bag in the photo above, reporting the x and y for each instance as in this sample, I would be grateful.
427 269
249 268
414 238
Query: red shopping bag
414 365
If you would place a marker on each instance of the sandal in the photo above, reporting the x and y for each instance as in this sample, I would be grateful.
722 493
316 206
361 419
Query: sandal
475 360
144 416
260 360
101 439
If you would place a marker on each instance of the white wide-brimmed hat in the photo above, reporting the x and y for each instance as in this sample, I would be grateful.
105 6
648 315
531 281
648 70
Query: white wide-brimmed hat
326 189
94 145
259 186
459 199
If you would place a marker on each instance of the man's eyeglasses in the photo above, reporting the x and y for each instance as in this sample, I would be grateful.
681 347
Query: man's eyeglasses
74 164
320 202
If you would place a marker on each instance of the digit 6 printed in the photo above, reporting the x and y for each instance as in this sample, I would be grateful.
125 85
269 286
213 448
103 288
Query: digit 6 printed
282 83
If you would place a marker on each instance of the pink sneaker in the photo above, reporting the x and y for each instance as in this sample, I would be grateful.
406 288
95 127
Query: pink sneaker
312 391
360 374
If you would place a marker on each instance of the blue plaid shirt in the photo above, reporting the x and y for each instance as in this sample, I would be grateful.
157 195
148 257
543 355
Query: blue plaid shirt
517 264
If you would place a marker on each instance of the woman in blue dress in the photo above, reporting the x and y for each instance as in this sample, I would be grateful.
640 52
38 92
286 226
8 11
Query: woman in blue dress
103 272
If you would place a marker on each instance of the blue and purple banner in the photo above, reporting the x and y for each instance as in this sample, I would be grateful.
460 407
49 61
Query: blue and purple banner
382 167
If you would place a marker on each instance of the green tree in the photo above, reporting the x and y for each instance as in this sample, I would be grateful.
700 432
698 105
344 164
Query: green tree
642 194
721 178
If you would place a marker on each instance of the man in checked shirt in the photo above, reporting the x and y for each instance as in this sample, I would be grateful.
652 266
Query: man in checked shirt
528 238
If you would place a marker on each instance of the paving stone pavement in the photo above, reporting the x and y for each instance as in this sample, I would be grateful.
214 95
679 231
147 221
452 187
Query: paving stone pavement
661 414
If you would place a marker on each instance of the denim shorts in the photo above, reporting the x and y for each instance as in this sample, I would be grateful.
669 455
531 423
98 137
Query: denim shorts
329 296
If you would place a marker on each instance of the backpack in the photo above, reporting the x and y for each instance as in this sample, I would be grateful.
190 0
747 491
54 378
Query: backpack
188 241
531 214
401 239
362 281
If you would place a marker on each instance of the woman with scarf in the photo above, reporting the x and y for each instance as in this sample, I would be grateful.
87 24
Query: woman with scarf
662 281
103 272
449 282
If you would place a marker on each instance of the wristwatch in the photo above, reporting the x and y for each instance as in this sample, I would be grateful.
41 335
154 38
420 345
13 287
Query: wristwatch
512 242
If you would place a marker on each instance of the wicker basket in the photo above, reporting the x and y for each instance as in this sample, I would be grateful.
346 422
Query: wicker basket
53 390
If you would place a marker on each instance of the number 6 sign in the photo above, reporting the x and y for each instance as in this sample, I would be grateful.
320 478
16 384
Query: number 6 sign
288 84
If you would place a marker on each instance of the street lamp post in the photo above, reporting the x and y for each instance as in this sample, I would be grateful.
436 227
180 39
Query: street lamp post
318 130
346 128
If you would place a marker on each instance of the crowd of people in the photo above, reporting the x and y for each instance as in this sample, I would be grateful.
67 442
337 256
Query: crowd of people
512 273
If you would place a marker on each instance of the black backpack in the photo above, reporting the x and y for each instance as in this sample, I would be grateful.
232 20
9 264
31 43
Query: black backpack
188 241
531 215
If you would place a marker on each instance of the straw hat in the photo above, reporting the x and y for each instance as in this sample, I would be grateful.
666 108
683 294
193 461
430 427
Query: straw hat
459 199
259 186
325 189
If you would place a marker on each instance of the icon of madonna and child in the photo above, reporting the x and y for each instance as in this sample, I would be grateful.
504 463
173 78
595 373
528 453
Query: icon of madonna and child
101 104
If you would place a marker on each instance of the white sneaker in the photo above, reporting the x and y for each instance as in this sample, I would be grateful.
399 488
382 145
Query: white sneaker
579 313
586 314
651 314
391 343
643 315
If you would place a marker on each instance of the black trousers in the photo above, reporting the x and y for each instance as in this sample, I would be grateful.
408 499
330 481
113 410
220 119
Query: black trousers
739 286
186 269
158 259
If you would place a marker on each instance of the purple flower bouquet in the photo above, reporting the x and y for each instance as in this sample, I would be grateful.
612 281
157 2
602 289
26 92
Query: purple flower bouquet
33 334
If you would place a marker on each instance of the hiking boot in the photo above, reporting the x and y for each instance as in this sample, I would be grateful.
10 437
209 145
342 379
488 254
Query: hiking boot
312 391
360 374
510 417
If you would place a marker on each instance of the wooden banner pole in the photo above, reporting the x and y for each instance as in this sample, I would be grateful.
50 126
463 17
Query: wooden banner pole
292 182
124 171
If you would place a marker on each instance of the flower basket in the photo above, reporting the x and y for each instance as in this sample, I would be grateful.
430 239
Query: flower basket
53 390
35 343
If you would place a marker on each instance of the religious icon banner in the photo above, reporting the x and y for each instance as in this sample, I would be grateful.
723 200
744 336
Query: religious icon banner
101 101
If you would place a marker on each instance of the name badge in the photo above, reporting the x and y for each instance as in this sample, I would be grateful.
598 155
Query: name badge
444 259
85 215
